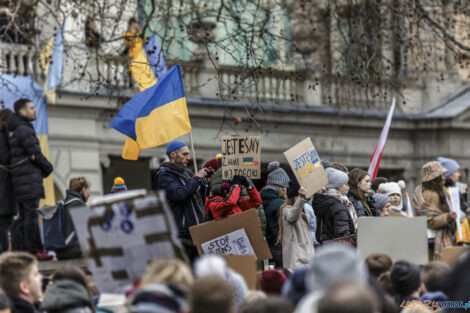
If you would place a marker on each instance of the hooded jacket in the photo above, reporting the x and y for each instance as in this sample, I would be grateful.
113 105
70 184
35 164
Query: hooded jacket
29 164
66 296
333 218
219 206
272 201
182 193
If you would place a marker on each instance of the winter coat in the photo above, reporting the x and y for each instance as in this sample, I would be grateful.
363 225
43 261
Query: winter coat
8 205
32 166
182 193
218 206
272 201
216 186
20 305
297 244
72 250
66 296
312 221
333 218
359 206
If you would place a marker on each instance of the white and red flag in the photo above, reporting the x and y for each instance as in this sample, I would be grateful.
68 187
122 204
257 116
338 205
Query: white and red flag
379 148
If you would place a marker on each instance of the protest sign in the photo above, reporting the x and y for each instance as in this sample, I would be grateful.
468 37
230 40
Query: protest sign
400 238
306 165
236 243
122 234
455 201
241 155
245 265
234 226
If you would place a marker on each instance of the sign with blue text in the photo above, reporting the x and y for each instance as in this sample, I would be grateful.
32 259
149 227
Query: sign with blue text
306 165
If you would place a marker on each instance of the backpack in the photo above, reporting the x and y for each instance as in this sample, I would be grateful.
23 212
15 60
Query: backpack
54 238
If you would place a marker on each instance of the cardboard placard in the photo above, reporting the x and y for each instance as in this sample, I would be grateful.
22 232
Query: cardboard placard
244 265
306 165
123 233
241 155
247 220
399 238
452 254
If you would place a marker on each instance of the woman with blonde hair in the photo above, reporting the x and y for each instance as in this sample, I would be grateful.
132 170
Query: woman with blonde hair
294 233
163 287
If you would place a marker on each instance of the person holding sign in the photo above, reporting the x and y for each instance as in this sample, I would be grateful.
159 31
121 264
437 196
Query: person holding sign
294 234
226 201
430 199
336 215
182 192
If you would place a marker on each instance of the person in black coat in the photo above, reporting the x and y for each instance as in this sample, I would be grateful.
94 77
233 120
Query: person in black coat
29 167
8 207
182 191
336 216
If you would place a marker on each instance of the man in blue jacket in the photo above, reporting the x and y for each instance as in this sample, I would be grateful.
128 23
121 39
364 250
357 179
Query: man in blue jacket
182 192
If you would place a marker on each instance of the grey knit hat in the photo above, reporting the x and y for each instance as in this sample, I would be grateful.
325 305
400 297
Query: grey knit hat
336 178
277 176
380 200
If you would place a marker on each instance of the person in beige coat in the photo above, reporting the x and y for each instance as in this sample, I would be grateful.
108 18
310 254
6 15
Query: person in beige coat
294 233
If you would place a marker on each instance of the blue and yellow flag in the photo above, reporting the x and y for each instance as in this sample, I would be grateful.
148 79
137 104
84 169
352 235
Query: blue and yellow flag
13 88
149 65
52 59
154 116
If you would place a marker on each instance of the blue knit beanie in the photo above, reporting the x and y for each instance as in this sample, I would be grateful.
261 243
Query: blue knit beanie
175 145
450 165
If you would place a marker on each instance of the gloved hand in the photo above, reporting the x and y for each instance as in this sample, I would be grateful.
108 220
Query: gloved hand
245 182
237 180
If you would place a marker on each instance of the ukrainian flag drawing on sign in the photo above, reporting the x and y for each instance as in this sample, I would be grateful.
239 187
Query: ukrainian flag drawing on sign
156 115
248 161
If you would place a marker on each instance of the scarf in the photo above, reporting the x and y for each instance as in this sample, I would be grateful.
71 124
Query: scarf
344 200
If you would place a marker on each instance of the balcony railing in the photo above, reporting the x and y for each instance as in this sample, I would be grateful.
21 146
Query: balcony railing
264 85
20 59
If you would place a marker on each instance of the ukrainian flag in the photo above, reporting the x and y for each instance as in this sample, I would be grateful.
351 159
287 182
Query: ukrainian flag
13 88
156 115
52 59
149 65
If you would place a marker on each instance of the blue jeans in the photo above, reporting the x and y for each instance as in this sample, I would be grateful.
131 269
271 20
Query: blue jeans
26 233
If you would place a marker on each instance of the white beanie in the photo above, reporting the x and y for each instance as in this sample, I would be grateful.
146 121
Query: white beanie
392 187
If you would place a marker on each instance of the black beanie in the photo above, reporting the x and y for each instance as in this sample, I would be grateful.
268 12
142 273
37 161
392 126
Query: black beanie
405 277
294 186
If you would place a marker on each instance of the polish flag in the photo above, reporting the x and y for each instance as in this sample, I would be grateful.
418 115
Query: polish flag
379 149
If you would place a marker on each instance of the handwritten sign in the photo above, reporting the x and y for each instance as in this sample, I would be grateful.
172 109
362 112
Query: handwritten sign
306 165
236 242
241 155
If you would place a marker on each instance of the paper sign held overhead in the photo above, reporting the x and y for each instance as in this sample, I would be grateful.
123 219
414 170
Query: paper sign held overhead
306 165
241 155
236 243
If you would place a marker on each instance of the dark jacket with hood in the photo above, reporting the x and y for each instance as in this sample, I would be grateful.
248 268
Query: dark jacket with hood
31 166
73 200
182 193
66 296
272 201
7 197
333 218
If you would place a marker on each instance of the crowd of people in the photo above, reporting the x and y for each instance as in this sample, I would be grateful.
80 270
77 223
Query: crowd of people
309 271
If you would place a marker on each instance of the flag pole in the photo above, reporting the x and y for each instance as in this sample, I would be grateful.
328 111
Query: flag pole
192 150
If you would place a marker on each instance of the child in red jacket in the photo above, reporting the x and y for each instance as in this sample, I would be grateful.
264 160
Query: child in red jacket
229 202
